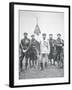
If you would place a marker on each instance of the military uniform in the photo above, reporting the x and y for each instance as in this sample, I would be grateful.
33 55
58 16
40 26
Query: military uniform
59 49
24 46
44 51
33 52
51 42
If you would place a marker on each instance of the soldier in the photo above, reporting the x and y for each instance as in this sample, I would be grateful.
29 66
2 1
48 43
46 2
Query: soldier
33 52
25 43
51 42
44 51
59 48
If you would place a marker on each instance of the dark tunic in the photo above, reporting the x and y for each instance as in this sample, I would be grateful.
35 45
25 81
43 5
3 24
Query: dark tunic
51 42
59 45
33 52
59 48
24 46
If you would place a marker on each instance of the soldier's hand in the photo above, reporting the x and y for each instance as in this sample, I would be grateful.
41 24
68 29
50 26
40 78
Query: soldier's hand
24 51
60 44
48 53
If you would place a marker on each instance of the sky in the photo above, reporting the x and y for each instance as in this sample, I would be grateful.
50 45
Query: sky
49 23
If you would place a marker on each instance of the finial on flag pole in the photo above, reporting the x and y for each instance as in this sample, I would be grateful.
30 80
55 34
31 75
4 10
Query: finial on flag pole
37 20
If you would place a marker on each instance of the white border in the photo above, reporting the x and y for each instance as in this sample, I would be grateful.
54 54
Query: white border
16 53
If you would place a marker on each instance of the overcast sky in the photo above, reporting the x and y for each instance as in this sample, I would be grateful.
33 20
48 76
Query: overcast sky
49 22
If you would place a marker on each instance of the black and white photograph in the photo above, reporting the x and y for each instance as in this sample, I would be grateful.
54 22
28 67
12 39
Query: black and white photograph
41 50
41 44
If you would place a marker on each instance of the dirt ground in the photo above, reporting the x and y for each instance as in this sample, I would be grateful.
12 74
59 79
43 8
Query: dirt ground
49 72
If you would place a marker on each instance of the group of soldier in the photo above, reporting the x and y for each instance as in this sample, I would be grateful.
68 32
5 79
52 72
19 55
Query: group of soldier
40 53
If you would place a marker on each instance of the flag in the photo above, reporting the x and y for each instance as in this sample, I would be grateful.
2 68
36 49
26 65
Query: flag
37 30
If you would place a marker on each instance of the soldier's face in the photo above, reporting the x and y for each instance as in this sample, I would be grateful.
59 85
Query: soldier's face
59 36
50 36
25 36
44 37
33 37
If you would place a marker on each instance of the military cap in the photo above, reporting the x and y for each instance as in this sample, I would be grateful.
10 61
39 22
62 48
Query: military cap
32 35
50 34
59 34
44 34
25 33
